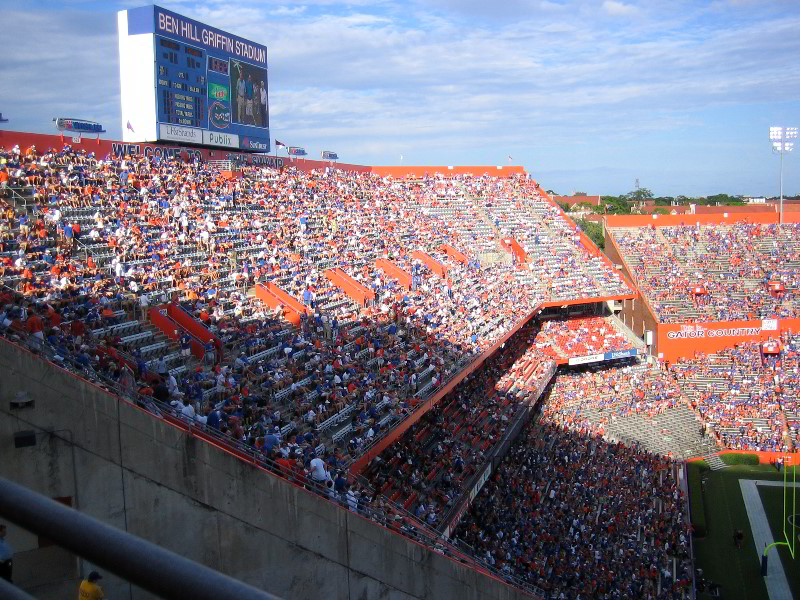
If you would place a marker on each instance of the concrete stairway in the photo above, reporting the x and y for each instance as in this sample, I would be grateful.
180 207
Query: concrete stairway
675 431
715 462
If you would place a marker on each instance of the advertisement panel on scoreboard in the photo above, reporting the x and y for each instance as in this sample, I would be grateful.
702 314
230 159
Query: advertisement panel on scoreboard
210 86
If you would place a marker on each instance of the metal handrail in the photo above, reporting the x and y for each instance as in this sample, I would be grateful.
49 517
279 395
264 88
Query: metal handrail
143 563
15 195
9 591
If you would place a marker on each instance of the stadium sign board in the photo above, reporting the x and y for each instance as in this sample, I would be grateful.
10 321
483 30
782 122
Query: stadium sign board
593 358
585 360
684 340
78 126
178 72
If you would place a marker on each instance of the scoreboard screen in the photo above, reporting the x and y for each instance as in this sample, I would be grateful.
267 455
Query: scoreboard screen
181 84
208 87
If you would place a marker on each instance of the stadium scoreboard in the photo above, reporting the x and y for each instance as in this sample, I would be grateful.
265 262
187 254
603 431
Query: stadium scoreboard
184 81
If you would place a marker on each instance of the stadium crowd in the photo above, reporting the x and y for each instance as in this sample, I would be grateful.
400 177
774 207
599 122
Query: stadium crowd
619 391
428 468
715 273
581 518
123 234
743 393
584 336
89 246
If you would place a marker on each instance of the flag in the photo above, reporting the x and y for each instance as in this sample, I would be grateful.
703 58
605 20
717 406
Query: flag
328 155
129 126
277 143
296 151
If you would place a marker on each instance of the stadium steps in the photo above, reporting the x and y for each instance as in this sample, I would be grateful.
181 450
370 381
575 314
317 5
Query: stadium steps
617 323
715 462
675 431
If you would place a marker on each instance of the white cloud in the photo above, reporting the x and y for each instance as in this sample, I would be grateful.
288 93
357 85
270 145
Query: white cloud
431 83
619 9
288 11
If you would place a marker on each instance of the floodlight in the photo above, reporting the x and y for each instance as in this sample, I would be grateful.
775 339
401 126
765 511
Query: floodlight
780 138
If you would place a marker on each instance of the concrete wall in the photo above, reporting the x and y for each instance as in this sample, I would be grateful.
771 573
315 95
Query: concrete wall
636 314
138 473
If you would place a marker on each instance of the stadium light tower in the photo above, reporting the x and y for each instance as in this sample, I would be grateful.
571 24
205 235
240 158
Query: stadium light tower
783 140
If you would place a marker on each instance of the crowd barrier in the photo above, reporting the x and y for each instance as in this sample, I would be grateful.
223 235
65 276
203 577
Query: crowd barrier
433 264
195 328
513 246
159 317
271 300
286 298
354 290
454 254
395 272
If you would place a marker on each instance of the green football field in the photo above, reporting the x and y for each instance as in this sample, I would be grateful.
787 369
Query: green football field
738 570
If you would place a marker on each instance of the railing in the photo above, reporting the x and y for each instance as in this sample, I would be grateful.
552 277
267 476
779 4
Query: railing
381 510
140 562
222 165
17 197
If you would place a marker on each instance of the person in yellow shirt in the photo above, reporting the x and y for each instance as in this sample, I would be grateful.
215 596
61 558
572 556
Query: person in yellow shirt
89 590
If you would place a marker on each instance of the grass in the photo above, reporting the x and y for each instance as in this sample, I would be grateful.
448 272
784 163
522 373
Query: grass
695 472
737 571
772 499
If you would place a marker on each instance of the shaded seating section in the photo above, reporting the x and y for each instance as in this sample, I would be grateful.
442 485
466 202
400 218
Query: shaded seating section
427 469
627 401
565 510
742 271
747 398
577 396
279 452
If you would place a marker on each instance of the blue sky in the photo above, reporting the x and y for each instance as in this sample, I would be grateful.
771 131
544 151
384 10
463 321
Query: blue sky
587 95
